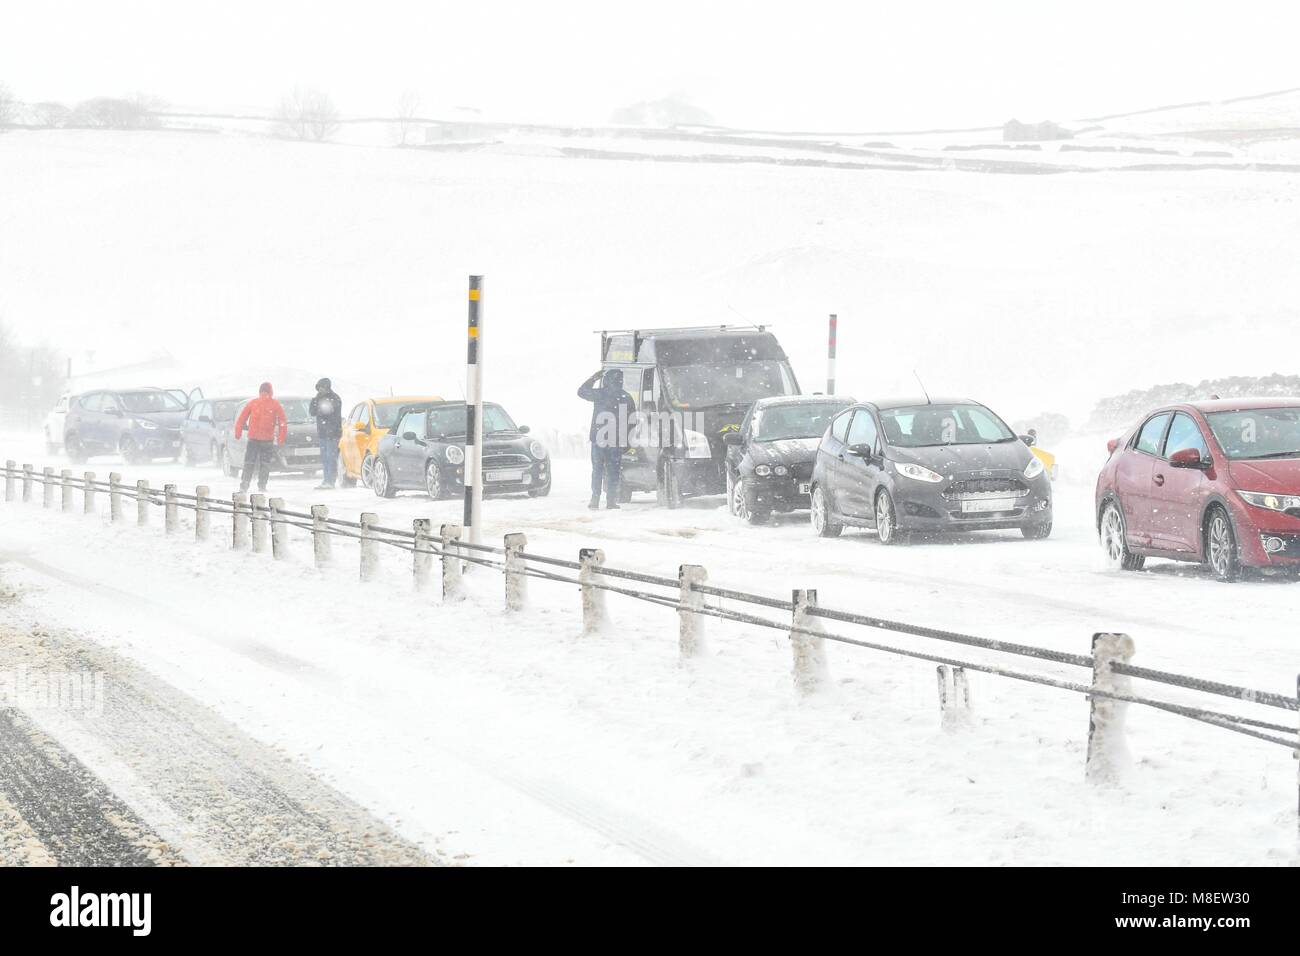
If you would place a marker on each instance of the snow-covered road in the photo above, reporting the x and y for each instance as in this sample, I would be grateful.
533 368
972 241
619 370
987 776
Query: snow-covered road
510 739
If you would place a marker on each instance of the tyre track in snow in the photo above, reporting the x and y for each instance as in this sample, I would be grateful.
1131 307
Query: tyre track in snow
149 742
148 775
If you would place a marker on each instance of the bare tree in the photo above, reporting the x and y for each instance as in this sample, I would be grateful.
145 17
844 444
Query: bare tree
107 112
8 106
307 114
51 115
407 106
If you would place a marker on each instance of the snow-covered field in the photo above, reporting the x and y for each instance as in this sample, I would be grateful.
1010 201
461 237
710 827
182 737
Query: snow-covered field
509 738
512 739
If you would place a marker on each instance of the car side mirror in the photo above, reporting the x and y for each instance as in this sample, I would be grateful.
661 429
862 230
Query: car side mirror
361 427
1188 458
524 429
206 419
863 451
1030 439
732 438
114 411
1112 445
410 436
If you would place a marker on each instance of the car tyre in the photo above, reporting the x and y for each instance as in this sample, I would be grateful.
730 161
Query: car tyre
345 480
433 486
1222 555
381 482
74 449
228 466
1114 539
887 520
367 469
823 521
129 450
1037 532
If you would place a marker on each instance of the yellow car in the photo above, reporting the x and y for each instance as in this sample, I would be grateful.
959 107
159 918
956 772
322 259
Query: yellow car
363 429
1048 460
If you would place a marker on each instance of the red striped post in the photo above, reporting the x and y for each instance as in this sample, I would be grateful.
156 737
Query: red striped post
830 357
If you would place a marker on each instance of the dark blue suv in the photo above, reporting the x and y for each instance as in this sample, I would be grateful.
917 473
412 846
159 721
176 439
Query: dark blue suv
139 424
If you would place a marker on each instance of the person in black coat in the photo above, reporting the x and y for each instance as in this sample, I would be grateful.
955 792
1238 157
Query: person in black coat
327 408
611 416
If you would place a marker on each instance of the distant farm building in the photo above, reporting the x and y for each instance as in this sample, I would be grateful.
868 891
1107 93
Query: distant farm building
1015 131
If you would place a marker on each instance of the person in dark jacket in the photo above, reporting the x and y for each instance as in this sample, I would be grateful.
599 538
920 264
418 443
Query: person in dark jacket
611 415
267 427
327 407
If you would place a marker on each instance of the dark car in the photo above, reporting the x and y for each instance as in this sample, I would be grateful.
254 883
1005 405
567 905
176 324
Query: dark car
300 452
426 452
946 465
770 456
205 428
1216 482
139 424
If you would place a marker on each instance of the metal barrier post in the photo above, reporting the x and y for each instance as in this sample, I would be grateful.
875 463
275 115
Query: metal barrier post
88 493
369 558
171 515
142 502
279 530
422 559
27 483
257 507
516 566
593 598
1107 750
810 670
10 467
239 521
65 481
449 536
320 536
954 697
202 516
47 491
690 624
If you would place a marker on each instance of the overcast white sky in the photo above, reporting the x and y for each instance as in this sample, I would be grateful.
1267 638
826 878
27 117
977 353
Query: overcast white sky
806 64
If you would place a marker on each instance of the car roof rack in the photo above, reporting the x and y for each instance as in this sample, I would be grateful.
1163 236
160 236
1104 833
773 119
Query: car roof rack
684 328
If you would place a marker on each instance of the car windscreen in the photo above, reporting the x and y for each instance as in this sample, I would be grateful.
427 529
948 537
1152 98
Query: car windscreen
142 403
296 409
449 421
919 426
1257 432
797 420
702 386
226 411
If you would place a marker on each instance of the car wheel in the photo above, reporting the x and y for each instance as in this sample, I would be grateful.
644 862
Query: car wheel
1037 532
822 521
186 456
731 495
228 466
668 492
1114 539
433 481
886 519
367 470
51 446
380 481
214 454
75 451
129 450
345 480
1221 553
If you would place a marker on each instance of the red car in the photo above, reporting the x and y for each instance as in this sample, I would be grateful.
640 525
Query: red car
1216 482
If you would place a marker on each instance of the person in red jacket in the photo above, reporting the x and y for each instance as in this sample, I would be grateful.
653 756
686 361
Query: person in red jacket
267 427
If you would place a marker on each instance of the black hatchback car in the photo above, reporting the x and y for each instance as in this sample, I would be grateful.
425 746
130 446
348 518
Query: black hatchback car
770 455
425 451
946 465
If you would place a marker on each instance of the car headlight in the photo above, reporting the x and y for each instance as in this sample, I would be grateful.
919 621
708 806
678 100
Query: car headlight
697 446
916 472
455 454
781 470
1034 468
537 450
1271 502
762 470
146 424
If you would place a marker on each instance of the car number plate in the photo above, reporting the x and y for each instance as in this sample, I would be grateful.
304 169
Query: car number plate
989 504
515 474
301 452
805 487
